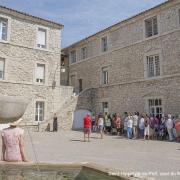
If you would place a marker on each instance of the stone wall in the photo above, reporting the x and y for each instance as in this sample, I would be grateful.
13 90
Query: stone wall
20 63
24 33
130 31
129 88
131 97
53 98
127 64
21 56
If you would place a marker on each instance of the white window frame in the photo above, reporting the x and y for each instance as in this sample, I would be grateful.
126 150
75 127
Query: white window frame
83 53
73 57
145 26
44 81
43 46
8 20
103 47
3 72
152 69
37 111
46 29
152 105
3 23
104 79
153 53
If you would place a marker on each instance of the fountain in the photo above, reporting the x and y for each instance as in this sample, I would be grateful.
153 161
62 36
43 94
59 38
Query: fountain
12 109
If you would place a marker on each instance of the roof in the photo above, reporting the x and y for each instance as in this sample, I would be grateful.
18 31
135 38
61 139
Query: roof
29 17
119 23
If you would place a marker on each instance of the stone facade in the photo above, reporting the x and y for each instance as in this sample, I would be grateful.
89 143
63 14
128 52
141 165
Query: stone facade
21 56
129 88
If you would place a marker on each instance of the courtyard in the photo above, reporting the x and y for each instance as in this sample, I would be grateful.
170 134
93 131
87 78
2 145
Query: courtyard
113 152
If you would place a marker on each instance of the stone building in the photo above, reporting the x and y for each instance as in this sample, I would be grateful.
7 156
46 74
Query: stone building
30 55
133 65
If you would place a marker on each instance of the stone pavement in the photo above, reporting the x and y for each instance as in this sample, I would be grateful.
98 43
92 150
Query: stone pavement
113 152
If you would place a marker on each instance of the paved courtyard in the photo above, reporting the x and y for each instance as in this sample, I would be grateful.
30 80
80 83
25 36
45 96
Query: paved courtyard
113 152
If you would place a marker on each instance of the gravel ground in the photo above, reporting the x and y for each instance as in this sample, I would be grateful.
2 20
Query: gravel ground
157 159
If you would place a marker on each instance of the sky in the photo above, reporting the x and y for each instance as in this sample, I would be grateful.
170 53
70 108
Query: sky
81 18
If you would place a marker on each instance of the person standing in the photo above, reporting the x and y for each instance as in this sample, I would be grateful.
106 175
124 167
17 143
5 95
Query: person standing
135 125
129 127
87 126
177 126
151 127
12 143
125 124
147 127
118 124
101 125
108 123
55 123
94 122
169 126
141 126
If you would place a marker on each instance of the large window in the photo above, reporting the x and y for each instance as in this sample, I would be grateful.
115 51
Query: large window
39 111
151 26
104 44
105 78
153 66
2 65
40 73
41 38
155 107
84 53
3 29
73 57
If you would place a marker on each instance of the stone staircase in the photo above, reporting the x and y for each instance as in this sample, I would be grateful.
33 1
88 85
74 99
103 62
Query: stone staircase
64 115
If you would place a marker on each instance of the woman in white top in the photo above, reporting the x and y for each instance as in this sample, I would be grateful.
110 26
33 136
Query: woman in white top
169 126
129 127
101 125
141 126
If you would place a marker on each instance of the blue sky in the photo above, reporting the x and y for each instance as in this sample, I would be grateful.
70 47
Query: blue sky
81 18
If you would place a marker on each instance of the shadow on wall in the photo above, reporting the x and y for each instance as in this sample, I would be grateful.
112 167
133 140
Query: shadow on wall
78 118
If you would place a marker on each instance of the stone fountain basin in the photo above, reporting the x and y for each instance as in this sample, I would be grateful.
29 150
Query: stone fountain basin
12 108
48 171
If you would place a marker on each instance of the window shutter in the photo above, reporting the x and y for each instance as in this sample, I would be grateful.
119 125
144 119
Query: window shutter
0 29
1 65
41 37
4 30
155 26
40 72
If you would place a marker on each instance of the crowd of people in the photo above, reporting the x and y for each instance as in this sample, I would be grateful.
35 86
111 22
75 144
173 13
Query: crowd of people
136 125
